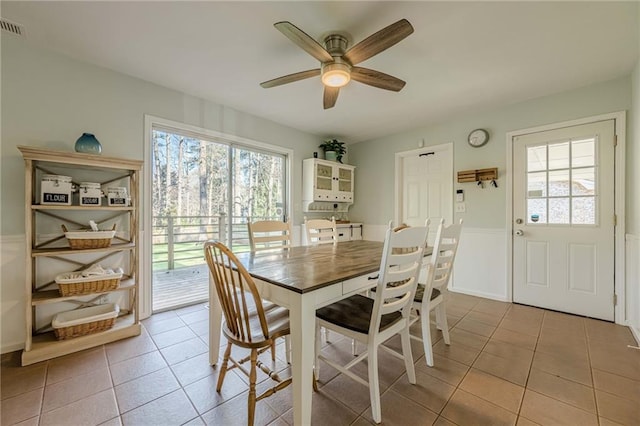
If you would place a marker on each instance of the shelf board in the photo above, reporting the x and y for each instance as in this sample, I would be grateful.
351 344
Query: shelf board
107 208
67 250
79 160
45 346
53 296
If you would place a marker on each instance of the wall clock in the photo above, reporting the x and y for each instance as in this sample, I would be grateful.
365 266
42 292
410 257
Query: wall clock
478 137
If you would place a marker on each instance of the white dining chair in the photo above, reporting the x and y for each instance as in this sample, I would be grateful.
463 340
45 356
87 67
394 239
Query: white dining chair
269 235
372 321
431 295
321 231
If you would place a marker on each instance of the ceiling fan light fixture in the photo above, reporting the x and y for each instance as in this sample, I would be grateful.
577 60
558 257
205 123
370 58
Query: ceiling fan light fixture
336 75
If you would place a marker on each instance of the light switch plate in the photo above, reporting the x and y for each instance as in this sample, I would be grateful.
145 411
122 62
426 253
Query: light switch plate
460 208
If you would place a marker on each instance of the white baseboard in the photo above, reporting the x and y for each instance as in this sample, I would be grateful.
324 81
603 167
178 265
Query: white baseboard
485 295
632 278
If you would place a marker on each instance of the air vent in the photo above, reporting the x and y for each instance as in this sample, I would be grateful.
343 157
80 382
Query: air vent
12 28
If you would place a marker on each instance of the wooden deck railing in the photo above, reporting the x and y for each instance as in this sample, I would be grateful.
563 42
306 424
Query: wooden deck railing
178 240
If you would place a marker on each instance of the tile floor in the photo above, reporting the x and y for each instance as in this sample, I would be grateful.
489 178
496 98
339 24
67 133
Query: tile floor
507 364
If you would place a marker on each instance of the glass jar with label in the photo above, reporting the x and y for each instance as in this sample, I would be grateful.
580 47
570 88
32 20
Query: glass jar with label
117 196
90 194
55 190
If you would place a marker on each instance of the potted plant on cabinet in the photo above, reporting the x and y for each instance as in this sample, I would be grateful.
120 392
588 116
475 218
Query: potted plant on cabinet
333 150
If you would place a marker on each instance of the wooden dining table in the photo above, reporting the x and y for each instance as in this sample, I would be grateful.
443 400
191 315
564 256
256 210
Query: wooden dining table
303 279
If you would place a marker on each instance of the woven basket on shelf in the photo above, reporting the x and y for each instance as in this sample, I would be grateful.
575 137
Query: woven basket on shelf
83 321
87 287
84 329
89 239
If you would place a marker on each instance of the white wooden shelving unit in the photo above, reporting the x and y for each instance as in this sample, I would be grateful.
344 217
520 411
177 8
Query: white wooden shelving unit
48 252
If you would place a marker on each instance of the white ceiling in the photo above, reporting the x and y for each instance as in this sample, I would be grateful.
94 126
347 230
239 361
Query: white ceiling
461 57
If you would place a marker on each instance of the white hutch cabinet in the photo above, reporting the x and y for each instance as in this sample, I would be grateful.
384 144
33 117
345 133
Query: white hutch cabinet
326 181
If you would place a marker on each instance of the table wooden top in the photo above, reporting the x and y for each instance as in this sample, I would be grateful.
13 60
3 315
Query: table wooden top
307 268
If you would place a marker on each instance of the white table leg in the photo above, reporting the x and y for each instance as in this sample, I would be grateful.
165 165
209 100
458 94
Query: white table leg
302 316
215 323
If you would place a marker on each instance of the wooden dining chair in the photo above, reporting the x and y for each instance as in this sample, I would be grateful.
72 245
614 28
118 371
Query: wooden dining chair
321 231
431 295
269 235
374 321
247 323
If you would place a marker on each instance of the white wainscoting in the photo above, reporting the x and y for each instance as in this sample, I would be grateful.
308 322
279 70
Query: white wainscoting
12 293
480 268
633 284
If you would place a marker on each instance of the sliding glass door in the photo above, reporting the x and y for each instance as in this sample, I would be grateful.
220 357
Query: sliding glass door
205 189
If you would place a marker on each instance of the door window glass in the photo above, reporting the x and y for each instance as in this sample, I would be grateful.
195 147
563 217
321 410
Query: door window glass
561 182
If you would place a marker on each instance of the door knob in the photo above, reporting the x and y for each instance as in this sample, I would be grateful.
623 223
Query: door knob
518 221
519 232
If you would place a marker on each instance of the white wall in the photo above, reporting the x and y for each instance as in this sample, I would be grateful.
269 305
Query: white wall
633 207
49 100
481 262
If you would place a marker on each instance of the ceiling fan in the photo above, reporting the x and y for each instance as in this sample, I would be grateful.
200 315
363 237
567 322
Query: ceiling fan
338 65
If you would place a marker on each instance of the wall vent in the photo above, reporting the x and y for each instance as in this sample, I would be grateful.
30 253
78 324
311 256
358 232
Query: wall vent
12 27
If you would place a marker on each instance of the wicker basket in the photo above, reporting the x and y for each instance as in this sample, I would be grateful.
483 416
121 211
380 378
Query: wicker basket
73 283
89 239
80 322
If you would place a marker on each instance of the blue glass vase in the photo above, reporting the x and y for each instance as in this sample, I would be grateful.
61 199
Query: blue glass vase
88 144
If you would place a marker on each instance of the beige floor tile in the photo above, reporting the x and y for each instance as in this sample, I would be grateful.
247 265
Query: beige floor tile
350 393
76 364
525 313
566 322
200 327
33 421
445 369
171 409
79 387
564 390
548 411
608 332
518 326
441 421
456 352
140 391
466 409
488 319
508 351
621 386
139 366
522 421
618 409
167 324
173 337
129 348
183 351
474 326
18 380
607 422
116 421
463 337
563 347
569 369
428 391
195 316
203 393
492 307
93 410
615 358
360 421
21 407
193 369
400 411
493 389
514 338
323 403
512 370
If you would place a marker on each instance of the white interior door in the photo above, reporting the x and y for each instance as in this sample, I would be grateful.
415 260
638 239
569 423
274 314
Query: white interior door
425 186
563 212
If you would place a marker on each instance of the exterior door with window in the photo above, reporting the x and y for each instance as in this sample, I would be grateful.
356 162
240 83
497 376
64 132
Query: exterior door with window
563 212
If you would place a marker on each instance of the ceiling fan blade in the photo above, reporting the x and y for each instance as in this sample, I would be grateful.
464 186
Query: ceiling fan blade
290 78
303 40
378 42
377 79
330 96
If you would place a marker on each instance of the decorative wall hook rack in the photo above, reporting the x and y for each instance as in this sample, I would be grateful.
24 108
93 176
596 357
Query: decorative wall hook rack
478 175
